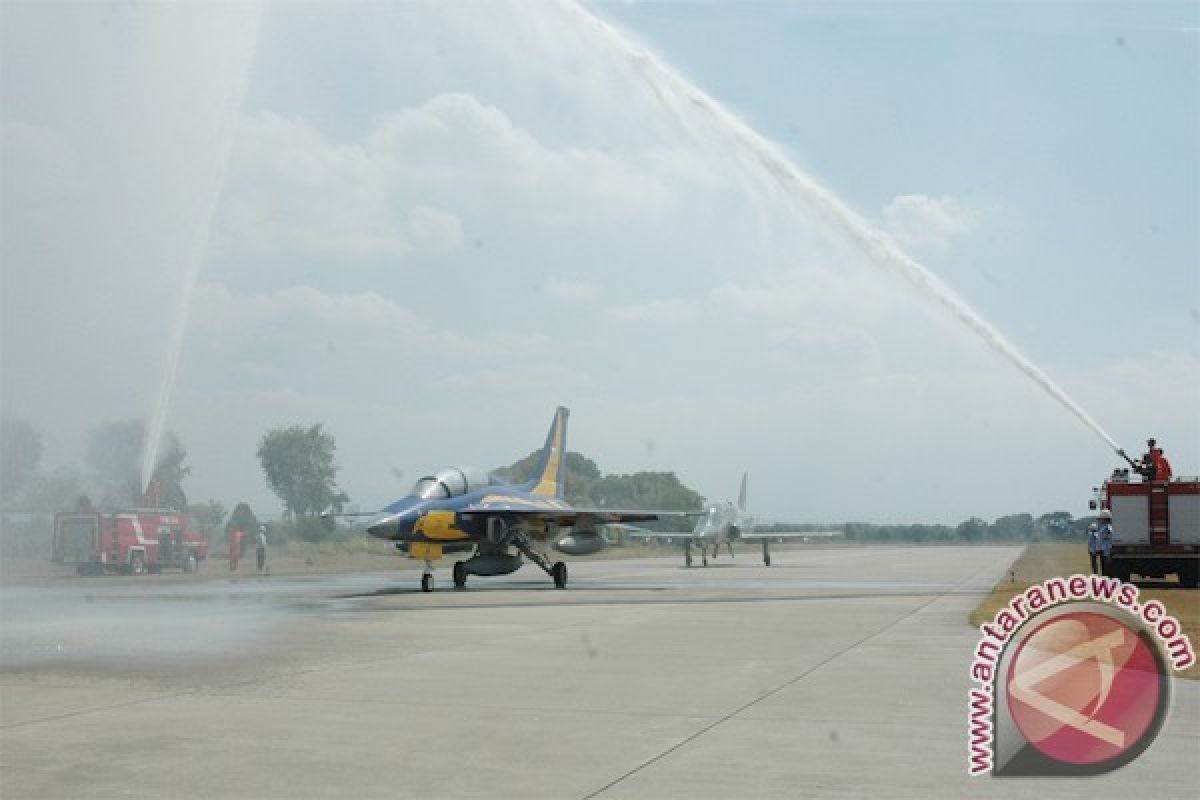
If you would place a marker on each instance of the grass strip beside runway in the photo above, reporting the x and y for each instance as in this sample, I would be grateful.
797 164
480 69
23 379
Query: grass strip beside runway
1042 560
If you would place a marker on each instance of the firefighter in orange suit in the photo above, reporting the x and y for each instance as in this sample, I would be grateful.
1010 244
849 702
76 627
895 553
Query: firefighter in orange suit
1162 467
1148 466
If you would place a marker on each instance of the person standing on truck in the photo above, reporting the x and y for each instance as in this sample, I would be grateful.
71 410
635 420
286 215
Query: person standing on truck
1104 534
1094 551
1148 466
260 548
1162 467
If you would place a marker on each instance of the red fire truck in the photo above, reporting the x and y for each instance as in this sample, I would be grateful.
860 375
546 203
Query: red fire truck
1156 526
127 541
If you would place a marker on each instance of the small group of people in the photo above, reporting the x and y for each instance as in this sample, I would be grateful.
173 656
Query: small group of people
236 539
1099 542
1153 465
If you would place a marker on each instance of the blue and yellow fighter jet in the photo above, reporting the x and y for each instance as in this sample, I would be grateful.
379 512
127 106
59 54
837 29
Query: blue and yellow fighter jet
459 510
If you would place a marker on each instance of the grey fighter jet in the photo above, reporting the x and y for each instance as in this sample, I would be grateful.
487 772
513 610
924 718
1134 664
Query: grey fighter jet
726 523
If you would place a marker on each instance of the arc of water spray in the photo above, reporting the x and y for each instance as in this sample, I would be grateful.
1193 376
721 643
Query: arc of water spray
194 241
674 91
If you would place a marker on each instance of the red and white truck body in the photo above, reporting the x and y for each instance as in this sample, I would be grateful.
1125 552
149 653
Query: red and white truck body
1156 527
128 541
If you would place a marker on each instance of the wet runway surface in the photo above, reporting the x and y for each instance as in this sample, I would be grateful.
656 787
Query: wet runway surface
838 672
110 620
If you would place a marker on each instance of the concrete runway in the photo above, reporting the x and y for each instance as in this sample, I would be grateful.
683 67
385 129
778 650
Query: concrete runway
835 673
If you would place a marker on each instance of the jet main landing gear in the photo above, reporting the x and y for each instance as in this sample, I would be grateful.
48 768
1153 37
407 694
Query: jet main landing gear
557 570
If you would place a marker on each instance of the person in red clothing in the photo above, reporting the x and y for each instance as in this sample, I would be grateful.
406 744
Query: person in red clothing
1162 467
1148 466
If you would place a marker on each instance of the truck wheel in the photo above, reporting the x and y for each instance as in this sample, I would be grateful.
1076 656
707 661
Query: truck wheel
137 564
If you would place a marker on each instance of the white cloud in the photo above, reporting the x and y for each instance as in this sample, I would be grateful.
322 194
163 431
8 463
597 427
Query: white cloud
918 220
1156 394
408 182
575 290
290 188
666 310
364 310
362 322
434 228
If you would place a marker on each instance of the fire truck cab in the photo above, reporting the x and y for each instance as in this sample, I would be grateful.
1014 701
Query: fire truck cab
1156 526
127 541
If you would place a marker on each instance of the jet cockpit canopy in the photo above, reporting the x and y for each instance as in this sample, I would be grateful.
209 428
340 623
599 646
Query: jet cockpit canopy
450 482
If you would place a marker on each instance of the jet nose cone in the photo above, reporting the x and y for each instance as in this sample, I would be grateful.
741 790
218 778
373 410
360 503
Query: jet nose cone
389 527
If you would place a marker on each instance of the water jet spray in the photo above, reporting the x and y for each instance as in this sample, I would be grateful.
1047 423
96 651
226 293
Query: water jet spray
194 239
687 103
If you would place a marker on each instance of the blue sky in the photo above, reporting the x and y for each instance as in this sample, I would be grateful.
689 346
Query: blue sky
1076 123
428 224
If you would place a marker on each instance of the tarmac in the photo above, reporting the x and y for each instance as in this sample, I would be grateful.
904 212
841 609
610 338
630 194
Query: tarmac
837 672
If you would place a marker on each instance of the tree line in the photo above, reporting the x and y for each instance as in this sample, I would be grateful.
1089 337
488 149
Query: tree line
1011 528
110 476
299 465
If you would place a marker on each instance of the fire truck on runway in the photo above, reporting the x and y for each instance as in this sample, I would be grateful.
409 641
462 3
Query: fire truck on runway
129 541
1156 526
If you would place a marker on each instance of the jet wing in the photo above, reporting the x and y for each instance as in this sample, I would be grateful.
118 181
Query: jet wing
759 535
560 513
681 535
752 536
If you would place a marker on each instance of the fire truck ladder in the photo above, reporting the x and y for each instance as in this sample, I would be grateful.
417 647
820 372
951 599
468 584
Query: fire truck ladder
1158 513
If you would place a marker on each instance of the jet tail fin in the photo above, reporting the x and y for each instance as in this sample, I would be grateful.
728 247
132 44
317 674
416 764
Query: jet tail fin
742 493
548 478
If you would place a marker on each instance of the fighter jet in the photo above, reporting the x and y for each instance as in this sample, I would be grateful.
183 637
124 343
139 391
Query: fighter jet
459 510
725 523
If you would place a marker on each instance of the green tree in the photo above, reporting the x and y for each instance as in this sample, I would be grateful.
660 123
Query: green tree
114 454
170 472
657 490
584 485
972 530
298 464
579 473
210 515
1054 524
20 452
60 490
242 519
1013 526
